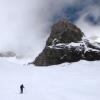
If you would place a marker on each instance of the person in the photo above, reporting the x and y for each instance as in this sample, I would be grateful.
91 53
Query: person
21 88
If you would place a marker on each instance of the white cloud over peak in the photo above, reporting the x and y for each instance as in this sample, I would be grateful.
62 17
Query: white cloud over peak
25 24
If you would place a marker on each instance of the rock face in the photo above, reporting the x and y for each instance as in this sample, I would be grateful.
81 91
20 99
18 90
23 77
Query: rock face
64 32
65 44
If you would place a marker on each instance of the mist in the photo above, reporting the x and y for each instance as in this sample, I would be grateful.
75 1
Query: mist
25 24
90 28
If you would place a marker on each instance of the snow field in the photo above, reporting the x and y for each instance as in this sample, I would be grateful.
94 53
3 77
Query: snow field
77 81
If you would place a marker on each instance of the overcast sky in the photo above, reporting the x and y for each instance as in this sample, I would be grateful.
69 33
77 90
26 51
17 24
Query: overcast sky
25 24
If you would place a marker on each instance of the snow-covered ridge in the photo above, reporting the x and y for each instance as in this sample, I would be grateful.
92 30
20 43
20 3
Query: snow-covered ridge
80 46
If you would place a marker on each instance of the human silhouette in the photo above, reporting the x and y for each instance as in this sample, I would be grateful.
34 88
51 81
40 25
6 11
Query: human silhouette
21 88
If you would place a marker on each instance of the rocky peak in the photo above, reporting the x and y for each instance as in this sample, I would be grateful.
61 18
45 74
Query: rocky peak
64 32
65 44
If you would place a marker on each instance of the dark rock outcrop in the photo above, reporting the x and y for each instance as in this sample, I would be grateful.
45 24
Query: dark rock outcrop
65 44
64 32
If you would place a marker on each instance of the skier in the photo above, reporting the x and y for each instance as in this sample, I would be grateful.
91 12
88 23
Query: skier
21 88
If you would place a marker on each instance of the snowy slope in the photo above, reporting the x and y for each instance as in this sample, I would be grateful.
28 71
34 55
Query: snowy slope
77 81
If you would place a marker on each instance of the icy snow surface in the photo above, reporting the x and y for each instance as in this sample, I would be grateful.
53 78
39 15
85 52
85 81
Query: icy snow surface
76 81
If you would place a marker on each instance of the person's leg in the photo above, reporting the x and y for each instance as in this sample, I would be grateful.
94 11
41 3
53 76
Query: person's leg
21 90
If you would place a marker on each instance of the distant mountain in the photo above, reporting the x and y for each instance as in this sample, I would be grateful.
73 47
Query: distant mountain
67 43
7 54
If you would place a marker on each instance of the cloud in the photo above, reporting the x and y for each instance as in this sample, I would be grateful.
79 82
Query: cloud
25 24
89 21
